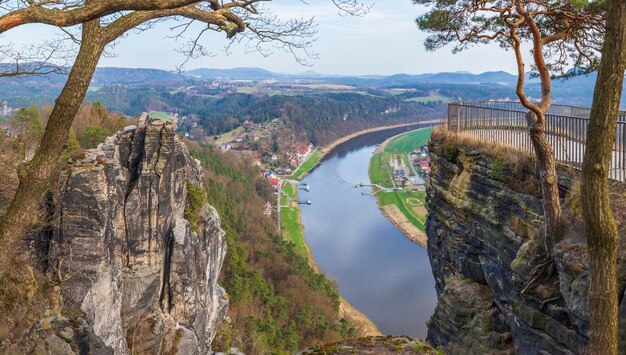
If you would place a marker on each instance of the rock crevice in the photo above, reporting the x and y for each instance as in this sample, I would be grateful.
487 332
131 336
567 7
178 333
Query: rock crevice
124 252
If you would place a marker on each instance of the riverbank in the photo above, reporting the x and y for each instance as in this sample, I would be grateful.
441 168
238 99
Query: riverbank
292 230
377 269
312 162
404 208
362 324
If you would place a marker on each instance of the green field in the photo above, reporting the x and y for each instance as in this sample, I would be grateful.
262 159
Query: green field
247 90
228 136
164 116
410 203
378 170
308 165
406 142
290 218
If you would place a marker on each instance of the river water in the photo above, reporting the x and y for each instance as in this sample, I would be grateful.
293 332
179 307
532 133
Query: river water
379 271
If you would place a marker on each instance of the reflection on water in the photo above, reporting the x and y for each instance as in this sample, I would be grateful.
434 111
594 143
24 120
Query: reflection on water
378 270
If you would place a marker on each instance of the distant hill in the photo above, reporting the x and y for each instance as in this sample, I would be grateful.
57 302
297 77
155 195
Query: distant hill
496 77
234 74
41 89
109 76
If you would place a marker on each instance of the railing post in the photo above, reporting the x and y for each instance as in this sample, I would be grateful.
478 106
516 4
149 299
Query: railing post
458 117
453 117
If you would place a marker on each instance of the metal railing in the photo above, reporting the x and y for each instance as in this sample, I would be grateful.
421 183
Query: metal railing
566 130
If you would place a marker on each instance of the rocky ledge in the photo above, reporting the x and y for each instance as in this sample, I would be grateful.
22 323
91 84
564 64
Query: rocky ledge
378 345
124 253
484 222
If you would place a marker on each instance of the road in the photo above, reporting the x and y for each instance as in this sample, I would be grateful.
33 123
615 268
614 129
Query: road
281 184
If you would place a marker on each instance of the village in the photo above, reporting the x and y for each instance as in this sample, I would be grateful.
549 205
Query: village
415 175
272 150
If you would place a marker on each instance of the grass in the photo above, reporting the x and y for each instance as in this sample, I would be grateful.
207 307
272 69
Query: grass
405 143
290 218
364 93
308 165
403 199
228 136
410 203
514 167
395 92
164 116
378 170
247 90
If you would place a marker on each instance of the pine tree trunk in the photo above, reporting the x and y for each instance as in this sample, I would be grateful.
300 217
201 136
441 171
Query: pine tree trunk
35 174
600 228
549 188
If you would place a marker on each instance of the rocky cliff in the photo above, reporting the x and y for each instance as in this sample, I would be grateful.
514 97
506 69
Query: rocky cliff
483 226
134 247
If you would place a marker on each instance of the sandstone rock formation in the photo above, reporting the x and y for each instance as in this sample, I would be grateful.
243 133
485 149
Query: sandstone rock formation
124 251
482 234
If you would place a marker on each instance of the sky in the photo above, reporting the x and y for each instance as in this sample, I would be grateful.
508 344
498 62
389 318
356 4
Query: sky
385 41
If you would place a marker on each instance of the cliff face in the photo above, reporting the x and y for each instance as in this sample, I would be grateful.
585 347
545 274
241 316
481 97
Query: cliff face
124 249
482 235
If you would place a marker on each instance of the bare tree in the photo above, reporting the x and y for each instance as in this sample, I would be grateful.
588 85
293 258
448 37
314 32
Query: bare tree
102 23
600 227
561 34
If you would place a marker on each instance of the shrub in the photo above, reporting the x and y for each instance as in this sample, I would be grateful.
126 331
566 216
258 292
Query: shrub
195 204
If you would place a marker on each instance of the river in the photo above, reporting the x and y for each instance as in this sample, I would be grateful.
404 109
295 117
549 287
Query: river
378 270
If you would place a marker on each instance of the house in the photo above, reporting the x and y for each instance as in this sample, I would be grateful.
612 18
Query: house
267 210
274 157
274 181
226 147
303 152
293 161
270 174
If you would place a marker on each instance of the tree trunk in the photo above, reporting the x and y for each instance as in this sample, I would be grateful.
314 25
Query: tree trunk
549 188
35 174
536 119
600 228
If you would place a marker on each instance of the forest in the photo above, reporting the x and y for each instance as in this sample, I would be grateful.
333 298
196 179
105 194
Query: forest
278 303
318 118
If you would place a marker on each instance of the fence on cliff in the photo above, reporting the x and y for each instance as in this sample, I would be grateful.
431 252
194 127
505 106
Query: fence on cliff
566 130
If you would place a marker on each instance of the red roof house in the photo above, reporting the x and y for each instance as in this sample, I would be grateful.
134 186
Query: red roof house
274 182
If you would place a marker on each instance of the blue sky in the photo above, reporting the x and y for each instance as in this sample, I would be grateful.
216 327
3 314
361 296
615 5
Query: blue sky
385 41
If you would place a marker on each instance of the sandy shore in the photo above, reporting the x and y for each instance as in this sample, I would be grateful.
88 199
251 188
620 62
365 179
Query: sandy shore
363 325
395 216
